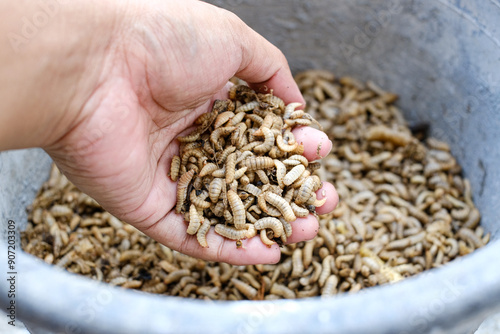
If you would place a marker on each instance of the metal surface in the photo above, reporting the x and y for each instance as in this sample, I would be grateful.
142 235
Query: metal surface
442 58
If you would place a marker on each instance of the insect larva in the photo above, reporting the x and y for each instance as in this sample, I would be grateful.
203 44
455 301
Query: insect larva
293 174
250 146
283 291
265 239
232 233
201 235
250 217
236 120
268 142
330 286
249 291
299 211
222 118
383 133
219 173
243 156
266 123
217 133
272 223
208 169
240 172
255 163
284 146
221 158
182 186
176 275
469 236
247 107
230 167
297 183
215 189
297 157
473 220
326 270
305 190
297 264
174 168
256 119
237 208
282 205
280 172
262 176
194 220
252 189
261 202
193 136
297 122
274 101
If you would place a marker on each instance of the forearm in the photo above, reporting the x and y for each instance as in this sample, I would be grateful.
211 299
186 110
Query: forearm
51 60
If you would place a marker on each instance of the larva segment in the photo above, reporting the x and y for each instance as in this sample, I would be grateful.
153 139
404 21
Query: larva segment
223 118
290 108
282 205
284 146
305 190
299 211
175 165
215 189
232 233
208 169
239 217
255 163
271 223
247 290
230 167
217 133
280 172
268 142
293 174
247 107
194 220
182 186
201 235
265 239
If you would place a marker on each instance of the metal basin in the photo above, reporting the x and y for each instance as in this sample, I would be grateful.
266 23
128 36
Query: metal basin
442 58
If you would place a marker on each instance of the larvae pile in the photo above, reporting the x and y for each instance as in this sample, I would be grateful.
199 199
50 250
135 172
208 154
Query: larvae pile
243 171
404 208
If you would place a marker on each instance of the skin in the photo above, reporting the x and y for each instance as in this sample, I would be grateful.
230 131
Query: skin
106 87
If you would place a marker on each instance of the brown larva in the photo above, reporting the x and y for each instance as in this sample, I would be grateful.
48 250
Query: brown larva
208 169
282 205
223 118
182 186
247 107
284 146
298 265
247 290
271 223
215 188
268 142
237 209
234 234
299 211
255 163
283 291
201 235
194 220
230 167
265 239
174 168
305 191
274 101
293 174
217 133
290 108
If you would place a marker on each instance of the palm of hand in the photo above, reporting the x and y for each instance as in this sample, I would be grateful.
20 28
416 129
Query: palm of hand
119 151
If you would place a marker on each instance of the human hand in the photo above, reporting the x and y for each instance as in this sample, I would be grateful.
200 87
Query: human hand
165 65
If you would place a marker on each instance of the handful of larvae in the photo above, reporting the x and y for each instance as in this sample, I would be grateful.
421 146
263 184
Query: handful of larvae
243 171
